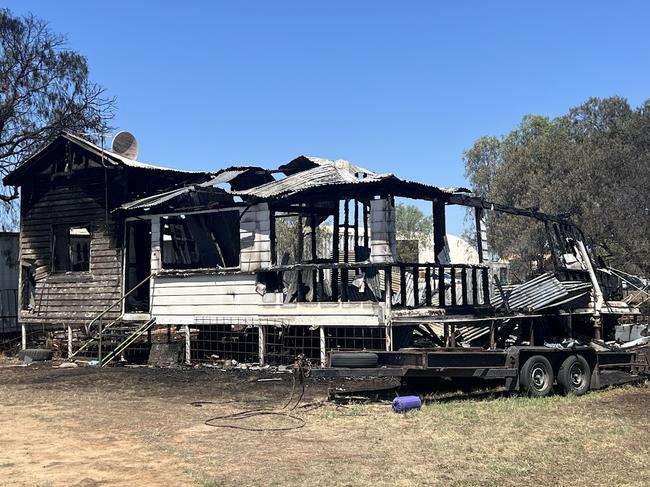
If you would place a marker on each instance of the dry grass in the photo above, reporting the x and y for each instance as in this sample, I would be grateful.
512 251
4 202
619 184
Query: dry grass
135 427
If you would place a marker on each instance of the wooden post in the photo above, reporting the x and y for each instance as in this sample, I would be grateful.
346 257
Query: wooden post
261 344
301 241
439 231
463 285
441 287
314 283
356 229
312 224
335 252
402 285
188 345
474 286
156 256
69 341
299 259
492 338
481 234
346 230
366 237
452 273
23 335
273 240
323 352
346 249
416 289
388 303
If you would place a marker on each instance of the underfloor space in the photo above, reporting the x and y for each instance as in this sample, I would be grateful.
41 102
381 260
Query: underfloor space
135 426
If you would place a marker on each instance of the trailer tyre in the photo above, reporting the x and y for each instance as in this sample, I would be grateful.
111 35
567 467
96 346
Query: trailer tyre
354 360
36 354
574 375
536 376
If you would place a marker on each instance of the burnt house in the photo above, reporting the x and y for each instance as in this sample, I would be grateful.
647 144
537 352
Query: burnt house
71 245
261 265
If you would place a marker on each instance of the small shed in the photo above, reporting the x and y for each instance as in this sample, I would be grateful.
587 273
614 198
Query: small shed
8 282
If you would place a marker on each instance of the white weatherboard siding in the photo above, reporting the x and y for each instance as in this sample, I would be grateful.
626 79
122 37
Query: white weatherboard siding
180 300
255 238
382 227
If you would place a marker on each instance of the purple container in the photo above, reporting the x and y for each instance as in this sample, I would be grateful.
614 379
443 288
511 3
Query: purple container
406 403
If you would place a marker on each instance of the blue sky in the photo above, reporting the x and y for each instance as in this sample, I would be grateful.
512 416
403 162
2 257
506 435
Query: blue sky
399 87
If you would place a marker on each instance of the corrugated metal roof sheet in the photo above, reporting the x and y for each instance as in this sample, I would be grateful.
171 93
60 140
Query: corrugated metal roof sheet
196 196
541 292
117 158
303 163
224 176
330 175
156 199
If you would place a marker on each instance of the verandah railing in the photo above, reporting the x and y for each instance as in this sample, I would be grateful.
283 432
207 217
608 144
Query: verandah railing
411 285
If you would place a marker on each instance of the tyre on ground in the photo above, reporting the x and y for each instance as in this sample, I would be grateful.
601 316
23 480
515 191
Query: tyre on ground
536 376
574 375
36 354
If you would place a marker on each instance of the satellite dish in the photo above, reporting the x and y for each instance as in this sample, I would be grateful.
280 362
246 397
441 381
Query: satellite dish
124 144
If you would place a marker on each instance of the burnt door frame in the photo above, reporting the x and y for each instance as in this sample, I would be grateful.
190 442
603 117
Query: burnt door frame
137 265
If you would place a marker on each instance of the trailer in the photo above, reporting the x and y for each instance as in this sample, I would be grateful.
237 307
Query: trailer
532 370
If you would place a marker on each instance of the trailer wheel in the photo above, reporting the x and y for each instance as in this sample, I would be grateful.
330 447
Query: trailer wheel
574 375
354 360
536 376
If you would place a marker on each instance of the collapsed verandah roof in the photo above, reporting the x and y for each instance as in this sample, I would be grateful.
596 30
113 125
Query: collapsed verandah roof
186 198
204 195
110 158
327 179
335 178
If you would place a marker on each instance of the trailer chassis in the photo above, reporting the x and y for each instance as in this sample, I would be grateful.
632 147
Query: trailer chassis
534 370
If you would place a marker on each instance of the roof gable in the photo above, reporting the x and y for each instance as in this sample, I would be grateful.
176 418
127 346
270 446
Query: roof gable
107 157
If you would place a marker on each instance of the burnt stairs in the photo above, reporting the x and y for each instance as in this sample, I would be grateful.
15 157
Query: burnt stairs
120 338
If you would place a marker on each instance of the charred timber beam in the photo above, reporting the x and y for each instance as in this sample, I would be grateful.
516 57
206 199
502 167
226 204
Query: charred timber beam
473 201
439 231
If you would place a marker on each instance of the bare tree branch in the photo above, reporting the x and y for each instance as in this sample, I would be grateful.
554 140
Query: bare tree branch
44 89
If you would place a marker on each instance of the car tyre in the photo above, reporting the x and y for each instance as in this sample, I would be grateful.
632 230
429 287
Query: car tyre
536 376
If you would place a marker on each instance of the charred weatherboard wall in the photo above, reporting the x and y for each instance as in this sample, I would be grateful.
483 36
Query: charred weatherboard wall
76 200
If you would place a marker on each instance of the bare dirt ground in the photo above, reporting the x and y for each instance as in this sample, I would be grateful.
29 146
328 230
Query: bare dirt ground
135 426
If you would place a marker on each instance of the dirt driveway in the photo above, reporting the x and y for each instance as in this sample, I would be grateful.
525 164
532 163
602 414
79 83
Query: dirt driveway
136 426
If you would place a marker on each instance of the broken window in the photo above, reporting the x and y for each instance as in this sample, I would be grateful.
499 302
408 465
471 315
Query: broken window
71 248
206 240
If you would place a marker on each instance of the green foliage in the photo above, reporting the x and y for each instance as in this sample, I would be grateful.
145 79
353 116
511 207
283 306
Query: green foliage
44 89
411 223
592 165
414 228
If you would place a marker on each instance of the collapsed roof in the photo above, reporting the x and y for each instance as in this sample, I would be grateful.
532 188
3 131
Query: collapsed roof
307 176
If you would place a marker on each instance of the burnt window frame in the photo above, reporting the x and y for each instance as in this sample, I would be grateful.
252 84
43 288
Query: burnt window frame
53 243
183 217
